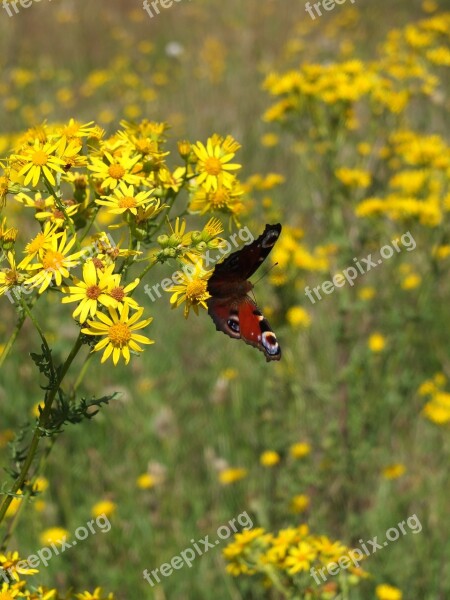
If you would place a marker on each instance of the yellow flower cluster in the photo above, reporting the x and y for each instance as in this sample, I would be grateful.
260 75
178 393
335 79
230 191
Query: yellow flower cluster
437 409
404 68
418 185
17 586
284 559
75 184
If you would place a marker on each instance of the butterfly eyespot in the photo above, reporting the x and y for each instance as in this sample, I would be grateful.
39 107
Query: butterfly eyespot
269 341
270 239
233 324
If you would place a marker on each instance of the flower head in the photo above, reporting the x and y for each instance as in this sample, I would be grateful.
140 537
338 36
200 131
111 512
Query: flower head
91 291
119 331
39 160
192 288
125 199
55 263
213 164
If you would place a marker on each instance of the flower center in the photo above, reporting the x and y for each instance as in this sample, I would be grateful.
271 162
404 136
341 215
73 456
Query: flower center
119 335
53 260
127 202
98 263
219 198
39 158
11 277
196 290
213 166
93 292
117 293
116 171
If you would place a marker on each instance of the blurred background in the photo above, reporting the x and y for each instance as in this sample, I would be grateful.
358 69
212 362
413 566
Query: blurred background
348 433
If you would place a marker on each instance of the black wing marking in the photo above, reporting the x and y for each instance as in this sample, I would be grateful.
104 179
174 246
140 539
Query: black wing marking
243 263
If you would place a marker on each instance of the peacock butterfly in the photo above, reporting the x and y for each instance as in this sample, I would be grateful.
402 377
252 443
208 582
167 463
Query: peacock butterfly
230 306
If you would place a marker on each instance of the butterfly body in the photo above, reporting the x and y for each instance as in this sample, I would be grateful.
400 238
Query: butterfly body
231 308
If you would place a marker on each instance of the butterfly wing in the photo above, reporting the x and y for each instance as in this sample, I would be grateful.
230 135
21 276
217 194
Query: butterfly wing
229 306
241 265
243 320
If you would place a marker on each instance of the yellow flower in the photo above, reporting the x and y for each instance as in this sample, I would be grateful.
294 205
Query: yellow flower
9 276
10 562
354 177
9 591
193 288
377 342
119 331
95 595
300 558
119 292
42 242
145 481
16 503
394 471
300 449
329 549
388 592
115 170
54 263
8 236
269 458
40 484
53 535
104 507
231 475
242 541
297 316
39 160
229 374
125 200
438 408
367 293
74 130
300 503
91 292
213 164
39 506
411 281
269 140
221 199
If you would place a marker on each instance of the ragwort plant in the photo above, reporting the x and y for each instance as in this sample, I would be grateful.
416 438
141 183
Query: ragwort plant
87 219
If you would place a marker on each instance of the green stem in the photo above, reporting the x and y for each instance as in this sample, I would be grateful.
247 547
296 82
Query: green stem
60 204
28 312
12 339
38 433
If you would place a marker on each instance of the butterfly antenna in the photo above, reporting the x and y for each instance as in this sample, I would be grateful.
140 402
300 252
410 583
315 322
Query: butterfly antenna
266 273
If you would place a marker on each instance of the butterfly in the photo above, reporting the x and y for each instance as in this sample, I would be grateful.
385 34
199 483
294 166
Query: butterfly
230 306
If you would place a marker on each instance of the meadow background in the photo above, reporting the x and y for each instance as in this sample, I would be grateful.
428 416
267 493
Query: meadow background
357 410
